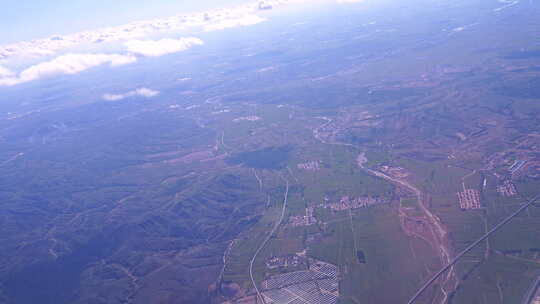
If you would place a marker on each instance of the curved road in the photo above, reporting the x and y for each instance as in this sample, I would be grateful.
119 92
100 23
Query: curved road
278 223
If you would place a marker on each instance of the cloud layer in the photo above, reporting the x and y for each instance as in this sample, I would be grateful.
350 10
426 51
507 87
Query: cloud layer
141 92
131 34
209 21
5 72
65 64
245 20
76 63
161 47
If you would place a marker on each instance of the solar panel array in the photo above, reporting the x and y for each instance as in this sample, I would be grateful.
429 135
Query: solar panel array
318 285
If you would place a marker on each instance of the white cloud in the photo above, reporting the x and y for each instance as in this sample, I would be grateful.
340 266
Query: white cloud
65 64
132 34
244 20
75 63
141 92
161 47
508 3
5 72
211 20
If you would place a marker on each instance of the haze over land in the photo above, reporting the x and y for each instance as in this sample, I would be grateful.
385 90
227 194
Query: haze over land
279 152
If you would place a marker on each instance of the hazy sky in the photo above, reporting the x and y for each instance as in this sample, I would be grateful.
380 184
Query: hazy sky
30 19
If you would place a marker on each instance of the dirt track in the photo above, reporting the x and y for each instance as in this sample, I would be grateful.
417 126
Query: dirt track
441 242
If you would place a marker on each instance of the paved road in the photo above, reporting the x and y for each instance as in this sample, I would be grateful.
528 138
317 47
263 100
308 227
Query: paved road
533 290
470 247
267 239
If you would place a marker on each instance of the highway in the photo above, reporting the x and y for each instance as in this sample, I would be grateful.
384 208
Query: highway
470 247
